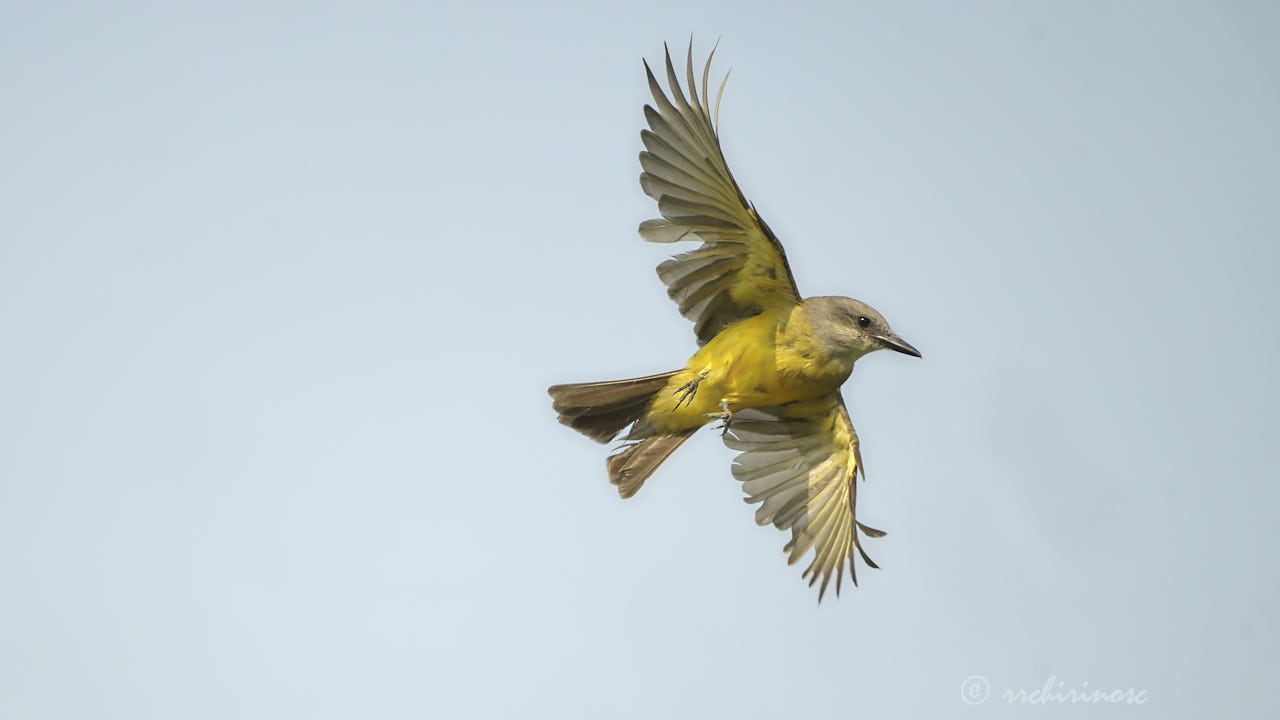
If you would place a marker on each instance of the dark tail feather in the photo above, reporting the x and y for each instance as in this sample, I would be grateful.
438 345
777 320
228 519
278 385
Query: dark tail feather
601 410
637 461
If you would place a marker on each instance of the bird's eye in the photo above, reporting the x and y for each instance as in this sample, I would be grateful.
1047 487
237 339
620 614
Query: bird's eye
864 322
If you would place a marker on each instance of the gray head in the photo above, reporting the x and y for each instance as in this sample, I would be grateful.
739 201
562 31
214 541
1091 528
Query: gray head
853 326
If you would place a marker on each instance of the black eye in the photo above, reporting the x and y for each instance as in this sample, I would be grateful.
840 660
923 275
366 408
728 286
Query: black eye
864 322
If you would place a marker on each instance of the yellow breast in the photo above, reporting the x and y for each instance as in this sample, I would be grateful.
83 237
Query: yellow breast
768 359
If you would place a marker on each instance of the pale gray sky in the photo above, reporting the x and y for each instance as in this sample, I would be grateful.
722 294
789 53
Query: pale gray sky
282 287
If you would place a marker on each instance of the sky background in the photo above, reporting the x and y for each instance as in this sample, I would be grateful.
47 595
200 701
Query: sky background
282 286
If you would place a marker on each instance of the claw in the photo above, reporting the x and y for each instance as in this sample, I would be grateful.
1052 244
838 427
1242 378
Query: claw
725 416
690 389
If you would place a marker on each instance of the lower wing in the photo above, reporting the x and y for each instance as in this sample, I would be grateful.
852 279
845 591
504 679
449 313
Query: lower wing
800 462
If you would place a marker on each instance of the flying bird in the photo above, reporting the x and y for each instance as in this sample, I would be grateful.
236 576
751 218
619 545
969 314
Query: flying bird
770 363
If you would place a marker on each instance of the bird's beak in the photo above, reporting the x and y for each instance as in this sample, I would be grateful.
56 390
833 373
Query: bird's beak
897 344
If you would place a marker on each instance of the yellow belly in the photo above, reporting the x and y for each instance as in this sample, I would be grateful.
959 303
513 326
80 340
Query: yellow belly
769 359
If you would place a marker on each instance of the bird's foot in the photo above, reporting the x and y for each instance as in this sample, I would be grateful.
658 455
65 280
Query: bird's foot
725 416
689 389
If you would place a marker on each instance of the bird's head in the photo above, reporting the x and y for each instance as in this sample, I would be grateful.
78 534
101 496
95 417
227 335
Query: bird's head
853 326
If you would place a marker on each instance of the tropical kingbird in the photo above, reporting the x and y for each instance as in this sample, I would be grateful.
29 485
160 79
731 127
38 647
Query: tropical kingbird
770 365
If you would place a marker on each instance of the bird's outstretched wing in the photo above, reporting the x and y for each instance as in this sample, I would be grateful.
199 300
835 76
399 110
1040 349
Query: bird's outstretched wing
800 462
740 269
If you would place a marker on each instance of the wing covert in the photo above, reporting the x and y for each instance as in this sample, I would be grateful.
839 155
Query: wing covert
800 462
740 269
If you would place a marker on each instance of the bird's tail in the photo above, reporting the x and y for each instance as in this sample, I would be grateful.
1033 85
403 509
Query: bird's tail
630 467
602 410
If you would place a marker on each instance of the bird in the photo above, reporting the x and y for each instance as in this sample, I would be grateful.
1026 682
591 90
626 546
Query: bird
770 364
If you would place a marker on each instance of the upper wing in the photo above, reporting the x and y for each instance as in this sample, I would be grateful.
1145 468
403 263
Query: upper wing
800 462
740 269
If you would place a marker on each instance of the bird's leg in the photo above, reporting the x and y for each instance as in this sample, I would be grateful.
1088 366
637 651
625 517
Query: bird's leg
725 416
690 389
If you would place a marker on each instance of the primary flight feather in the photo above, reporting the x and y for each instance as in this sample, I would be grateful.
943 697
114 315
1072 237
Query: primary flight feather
770 364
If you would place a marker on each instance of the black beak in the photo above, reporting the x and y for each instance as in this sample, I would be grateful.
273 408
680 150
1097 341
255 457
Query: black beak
897 344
